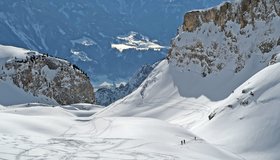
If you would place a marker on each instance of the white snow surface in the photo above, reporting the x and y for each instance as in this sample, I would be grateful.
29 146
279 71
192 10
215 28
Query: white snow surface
10 94
254 127
50 74
170 106
11 52
222 116
132 41
45 132
246 107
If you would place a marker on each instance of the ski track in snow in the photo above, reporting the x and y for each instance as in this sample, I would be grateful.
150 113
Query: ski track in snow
67 147
73 145
101 138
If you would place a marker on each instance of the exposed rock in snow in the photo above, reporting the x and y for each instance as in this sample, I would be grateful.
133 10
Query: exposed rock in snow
80 55
138 42
83 41
226 87
228 35
91 27
41 74
109 94
228 114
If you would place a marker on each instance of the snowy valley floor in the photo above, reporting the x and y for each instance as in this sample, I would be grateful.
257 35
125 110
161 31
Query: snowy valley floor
46 132
150 123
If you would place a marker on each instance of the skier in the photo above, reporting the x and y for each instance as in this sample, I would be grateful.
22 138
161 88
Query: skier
252 94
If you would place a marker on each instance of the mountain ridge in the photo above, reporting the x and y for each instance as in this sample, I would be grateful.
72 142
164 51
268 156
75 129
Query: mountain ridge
83 32
209 42
41 74
107 95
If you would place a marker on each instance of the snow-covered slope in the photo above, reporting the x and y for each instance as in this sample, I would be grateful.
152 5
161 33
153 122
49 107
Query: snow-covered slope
227 35
7 52
228 98
11 94
223 109
185 75
244 120
170 93
45 132
247 122
27 76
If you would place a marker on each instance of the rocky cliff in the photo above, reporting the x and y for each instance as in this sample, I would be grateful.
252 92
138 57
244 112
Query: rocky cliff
49 76
227 36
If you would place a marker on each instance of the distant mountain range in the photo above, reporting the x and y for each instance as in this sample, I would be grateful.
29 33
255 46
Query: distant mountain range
92 33
105 95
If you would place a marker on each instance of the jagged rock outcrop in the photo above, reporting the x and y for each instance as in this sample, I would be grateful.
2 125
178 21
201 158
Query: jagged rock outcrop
227 36
107 95
49 76
246 12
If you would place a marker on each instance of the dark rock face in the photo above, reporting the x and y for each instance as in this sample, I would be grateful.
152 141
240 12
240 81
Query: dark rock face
243 13
52 77
227 36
